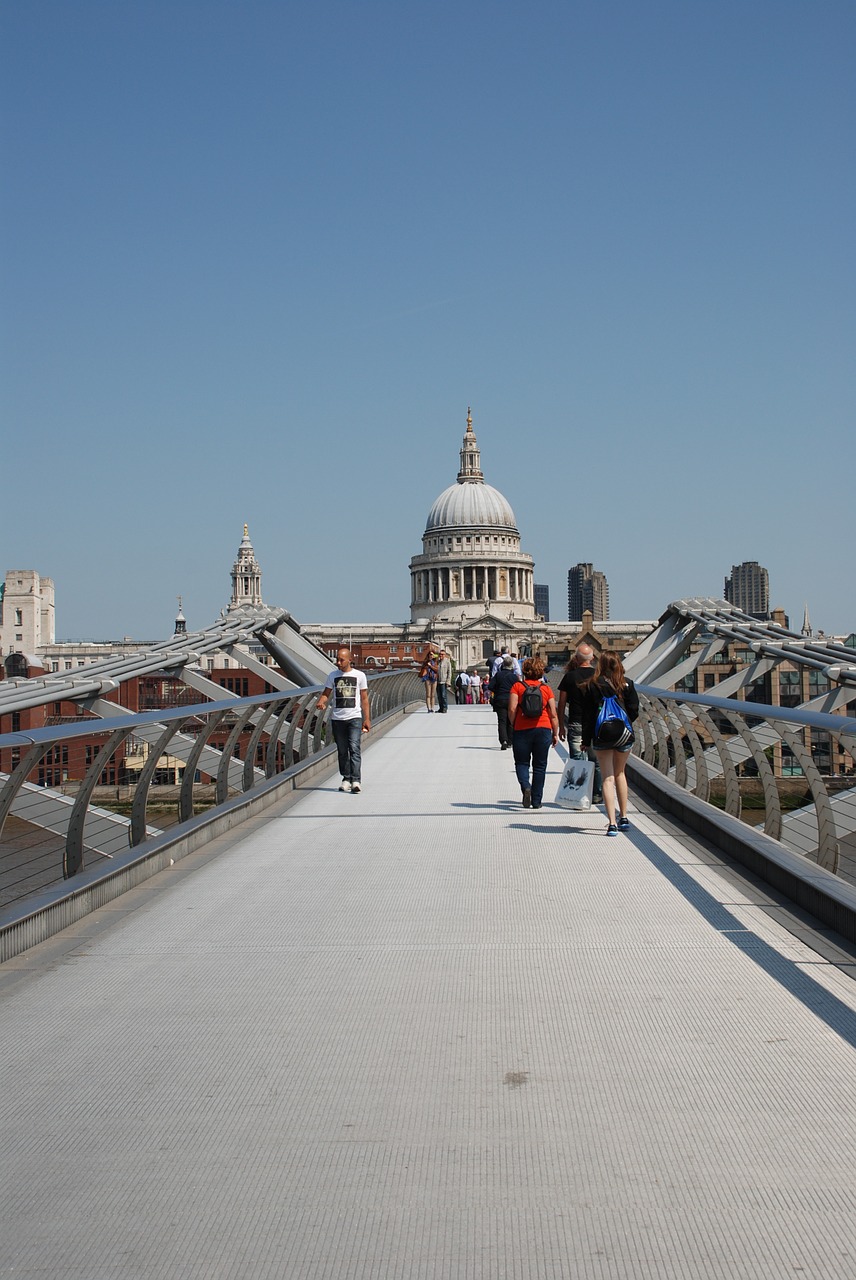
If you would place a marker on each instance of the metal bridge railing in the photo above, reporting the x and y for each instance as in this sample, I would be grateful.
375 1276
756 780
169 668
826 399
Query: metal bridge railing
282 733
694 738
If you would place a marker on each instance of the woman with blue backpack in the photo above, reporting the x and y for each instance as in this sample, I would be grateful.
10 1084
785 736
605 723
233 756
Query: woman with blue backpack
606 706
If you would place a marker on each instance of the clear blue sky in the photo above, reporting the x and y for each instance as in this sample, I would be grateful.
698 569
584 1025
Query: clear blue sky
259 257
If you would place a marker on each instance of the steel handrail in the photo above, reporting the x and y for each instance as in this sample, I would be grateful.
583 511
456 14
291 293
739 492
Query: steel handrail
288 719
660 742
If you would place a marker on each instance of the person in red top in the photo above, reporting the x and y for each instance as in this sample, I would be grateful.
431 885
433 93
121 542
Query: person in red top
532 736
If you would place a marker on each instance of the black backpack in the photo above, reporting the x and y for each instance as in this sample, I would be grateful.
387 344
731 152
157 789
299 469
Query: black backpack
532 704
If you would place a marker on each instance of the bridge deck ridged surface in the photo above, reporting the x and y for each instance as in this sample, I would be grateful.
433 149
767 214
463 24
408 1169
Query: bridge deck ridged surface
422 1032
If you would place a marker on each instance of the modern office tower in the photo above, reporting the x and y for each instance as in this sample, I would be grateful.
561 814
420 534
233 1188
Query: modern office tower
542 601
587 589
749 588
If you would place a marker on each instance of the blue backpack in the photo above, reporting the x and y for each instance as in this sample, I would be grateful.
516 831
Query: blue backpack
612 728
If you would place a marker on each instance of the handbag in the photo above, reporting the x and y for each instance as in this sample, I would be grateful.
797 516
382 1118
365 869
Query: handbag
576 785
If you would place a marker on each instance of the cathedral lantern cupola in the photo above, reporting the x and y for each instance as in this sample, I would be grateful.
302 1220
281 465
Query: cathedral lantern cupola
470 457
246 576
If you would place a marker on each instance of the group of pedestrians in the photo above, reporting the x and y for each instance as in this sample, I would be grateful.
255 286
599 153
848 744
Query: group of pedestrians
528 720
586 682
471 688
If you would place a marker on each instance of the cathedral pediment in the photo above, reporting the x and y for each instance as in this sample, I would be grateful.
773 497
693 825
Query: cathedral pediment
496 622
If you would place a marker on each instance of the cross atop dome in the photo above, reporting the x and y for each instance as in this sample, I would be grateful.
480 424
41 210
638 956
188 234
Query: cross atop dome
470 472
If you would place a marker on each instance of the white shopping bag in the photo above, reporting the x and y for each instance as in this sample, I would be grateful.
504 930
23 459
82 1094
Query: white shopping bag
577 785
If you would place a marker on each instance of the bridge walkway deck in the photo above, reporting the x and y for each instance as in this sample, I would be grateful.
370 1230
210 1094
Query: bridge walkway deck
422 1032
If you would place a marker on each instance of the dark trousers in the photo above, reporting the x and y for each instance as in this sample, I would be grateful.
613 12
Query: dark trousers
503 724
442 696
534 745
347 735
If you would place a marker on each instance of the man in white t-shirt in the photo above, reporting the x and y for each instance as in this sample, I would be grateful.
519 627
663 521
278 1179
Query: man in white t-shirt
350 717
496 663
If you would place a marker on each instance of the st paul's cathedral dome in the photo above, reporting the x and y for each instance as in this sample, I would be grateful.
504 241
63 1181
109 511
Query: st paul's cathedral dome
471 561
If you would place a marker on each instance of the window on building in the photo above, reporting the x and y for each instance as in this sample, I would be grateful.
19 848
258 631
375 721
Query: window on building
817 684
789 689
790 767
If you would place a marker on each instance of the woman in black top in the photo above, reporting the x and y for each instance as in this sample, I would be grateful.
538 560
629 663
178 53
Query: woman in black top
500 686
607 678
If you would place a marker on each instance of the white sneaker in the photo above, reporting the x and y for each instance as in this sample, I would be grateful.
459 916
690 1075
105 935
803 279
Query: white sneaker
355 786
346 786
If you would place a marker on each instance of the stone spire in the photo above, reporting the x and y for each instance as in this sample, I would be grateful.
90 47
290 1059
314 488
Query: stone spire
246 575
180 621
806 626
470 472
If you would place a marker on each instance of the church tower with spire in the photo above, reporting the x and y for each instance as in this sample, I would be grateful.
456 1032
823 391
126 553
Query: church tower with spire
246 576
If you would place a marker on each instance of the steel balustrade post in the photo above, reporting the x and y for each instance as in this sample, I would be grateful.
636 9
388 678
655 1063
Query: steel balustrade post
185 796
221 791
729 773
18 777
273 736
646 747
772 803
253 744
701 783
298 719
827 838
314 736
73 857
675 728
137 829
659 727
